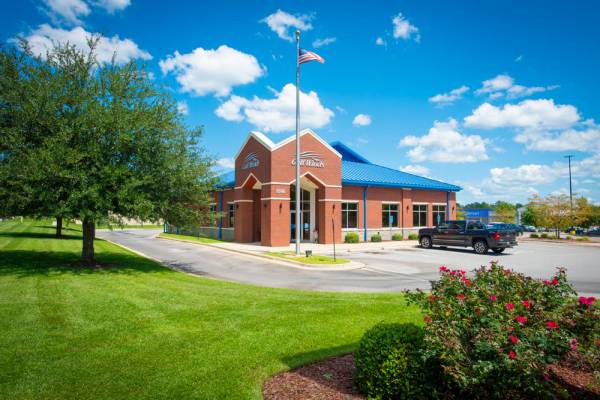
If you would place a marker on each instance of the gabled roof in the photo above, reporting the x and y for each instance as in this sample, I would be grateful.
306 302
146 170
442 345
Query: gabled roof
348 154
361 174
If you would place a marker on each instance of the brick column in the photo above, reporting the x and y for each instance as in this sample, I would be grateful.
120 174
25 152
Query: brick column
243 215
275 215
330 209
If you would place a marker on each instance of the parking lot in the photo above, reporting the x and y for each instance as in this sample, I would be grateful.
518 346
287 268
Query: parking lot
536 259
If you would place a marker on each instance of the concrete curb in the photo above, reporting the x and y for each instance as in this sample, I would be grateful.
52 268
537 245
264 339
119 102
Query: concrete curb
561 241
277 260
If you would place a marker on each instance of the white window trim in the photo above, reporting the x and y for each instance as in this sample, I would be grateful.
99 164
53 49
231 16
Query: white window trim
420 203
349 201
390 202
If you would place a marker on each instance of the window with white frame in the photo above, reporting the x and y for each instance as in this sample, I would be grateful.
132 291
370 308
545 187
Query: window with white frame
231 215
389 215
419 215
349 215
439 214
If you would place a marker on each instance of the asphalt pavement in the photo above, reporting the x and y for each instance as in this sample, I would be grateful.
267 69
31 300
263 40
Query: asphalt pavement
384 271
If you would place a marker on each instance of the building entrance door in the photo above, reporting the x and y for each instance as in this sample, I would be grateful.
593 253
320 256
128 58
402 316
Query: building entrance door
305 212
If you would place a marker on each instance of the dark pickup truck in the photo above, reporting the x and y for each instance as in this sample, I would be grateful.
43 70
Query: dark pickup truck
467 234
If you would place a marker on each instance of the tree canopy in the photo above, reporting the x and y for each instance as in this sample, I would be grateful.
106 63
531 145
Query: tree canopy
88 141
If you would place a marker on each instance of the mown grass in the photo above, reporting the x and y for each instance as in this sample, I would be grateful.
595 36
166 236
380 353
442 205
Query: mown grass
199 239
312 259
138 330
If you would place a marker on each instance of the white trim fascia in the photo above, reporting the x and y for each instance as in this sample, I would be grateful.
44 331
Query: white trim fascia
293 181
275 198
260 138
420 203
330 200
390 202
246 180
350 201
439 204
242 201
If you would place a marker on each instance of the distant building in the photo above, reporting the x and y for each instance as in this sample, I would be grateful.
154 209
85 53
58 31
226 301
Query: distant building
483 215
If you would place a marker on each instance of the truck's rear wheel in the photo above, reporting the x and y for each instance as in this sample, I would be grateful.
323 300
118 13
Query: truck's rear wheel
498 250
480 247
425 242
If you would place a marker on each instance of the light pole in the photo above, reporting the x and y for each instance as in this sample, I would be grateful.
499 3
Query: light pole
569 156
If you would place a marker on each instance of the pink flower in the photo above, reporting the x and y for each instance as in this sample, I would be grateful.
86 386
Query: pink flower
573 344
512 355
432 298
552 325
443 268
493 297
598 342
460 296
526 303
513 339
466 281
427 319
587 301
510 306
521 319
546 377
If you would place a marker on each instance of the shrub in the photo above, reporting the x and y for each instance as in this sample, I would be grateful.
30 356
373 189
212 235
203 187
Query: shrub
534 236
569 238
397 236
389 364
376 238
583 239
496 332
544 236
413 236
351 237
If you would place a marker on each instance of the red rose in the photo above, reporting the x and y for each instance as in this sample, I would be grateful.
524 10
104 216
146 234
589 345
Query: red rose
521 319
526 303
573 344
493 297
552 325
427 319
510 306
512 354
555 281
460 296
546 377
598 342
513 338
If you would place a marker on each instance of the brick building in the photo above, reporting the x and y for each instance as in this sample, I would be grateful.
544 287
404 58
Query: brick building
341 192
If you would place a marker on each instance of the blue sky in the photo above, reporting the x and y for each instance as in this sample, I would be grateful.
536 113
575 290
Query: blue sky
488 95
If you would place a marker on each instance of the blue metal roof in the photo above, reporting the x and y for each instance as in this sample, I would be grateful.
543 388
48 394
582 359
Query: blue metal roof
348 154
361 174
226 180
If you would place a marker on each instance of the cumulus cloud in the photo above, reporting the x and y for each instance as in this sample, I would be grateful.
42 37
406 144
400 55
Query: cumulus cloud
529 114
182 108
444 143
45 37
504 85
67 11
380 42
523 175
113 5
202 72
444 99
277 114
324 42
416 169
570 139
280 22
361 120
403 29
226 162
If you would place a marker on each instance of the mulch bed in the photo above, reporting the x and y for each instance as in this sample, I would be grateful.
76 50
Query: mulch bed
331 379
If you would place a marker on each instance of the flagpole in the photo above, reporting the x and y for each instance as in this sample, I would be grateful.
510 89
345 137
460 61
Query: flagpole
298 190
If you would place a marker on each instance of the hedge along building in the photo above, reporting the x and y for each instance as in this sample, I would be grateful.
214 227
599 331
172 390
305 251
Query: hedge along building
341 192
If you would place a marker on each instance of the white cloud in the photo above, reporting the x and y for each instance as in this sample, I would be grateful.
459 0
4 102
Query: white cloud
523 175
67 11
182 108
519 58
113 5
361 120
443 143
226 162
341 110
416 169
443 99
324 42
279 113
502 85
403 29
380 42
202 72
362 140
569 139
280 22
528 114
44 38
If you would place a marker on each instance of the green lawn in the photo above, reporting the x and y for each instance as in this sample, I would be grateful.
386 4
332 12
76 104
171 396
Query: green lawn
313 259
138 330
199 239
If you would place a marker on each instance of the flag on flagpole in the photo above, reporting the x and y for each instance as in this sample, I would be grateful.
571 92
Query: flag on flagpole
306 56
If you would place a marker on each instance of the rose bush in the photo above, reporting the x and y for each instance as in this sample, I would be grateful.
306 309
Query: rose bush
495 332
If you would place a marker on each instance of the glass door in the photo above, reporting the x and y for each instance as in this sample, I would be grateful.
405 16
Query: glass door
304 214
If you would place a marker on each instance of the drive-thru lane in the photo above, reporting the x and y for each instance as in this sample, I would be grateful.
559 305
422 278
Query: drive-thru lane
386 270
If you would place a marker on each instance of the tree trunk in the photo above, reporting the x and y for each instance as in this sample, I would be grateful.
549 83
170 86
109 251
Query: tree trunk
59 224
89 232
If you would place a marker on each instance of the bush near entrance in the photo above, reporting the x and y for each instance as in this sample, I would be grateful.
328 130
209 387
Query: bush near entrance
376 238
413 236
351 237
397 236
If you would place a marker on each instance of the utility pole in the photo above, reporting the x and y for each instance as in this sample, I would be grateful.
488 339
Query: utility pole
569 156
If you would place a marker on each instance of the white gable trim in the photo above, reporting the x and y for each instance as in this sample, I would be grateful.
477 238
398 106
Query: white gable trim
246 181
260 138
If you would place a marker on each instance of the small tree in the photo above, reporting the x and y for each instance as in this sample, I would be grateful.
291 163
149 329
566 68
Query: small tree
554 211
505 212
111 143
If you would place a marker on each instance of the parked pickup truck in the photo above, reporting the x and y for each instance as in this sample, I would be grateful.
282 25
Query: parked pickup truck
467 234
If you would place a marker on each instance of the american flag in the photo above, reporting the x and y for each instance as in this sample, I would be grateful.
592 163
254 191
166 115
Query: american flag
306 56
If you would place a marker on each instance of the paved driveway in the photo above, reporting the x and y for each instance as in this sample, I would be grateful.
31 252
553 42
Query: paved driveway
386 270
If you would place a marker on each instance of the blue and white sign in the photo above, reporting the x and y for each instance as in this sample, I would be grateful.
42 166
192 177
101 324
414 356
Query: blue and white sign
251 161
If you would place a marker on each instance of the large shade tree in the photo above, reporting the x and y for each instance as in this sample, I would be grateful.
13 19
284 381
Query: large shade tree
89 141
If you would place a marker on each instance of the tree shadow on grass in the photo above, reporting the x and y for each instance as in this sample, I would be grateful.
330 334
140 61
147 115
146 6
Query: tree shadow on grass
26 263
64 228
38 235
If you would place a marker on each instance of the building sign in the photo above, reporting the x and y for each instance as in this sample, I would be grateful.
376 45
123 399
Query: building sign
251 161
280 191
310 159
